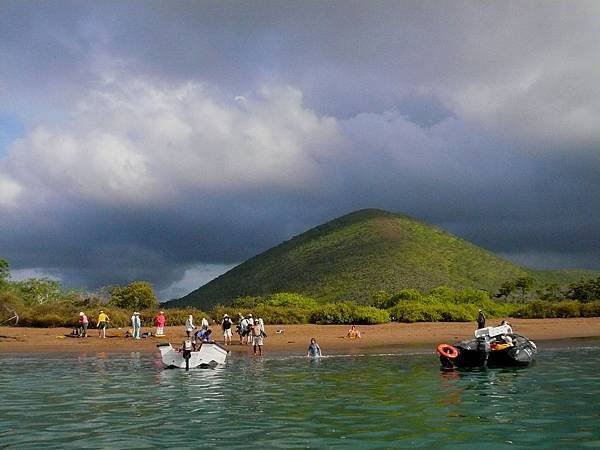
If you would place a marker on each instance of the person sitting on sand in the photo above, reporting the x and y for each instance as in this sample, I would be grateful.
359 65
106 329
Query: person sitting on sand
353 333
314 351
102 323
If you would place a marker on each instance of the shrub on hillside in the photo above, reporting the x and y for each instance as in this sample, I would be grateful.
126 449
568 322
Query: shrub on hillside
348 313
247 301
591 309
452 312
271 315
398 297
369 315
410 312
135 296
542 310
282 314
291 300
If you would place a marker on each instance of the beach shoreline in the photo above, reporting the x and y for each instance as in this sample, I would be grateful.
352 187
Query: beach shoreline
294 339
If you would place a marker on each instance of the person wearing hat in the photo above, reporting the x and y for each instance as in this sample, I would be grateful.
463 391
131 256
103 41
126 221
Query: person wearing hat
102 323
258 336
160 320
226 324
136 323
244 330
83 324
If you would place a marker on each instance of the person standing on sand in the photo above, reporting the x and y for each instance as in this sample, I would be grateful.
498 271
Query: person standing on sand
189 325
257 337
83 325
314 351
102 323
480 320
244 331
226 325
204 324
160 320
136 323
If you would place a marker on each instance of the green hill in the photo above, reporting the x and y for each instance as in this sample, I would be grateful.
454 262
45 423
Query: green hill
358 254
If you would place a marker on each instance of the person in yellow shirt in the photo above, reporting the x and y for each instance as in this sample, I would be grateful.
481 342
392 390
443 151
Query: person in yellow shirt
103 320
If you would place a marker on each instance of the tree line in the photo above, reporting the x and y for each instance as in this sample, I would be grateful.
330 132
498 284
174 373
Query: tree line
43 302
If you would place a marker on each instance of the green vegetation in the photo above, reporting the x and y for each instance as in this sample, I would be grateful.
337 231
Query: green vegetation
136 295
42 302
352 258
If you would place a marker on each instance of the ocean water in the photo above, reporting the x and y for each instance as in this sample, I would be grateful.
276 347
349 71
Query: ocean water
344 401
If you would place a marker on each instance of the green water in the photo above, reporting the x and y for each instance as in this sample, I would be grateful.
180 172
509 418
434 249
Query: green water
368 401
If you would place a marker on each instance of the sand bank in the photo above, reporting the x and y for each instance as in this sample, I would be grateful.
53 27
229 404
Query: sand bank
294 338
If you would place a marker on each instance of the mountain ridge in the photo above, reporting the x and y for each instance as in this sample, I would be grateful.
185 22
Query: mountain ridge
353 256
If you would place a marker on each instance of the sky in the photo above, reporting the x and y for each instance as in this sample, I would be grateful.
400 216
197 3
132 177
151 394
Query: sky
170 141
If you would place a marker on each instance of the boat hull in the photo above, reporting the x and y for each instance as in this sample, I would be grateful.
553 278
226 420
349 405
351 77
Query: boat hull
209 355
478 353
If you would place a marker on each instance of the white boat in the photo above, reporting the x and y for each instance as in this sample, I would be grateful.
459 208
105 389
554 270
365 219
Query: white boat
209 355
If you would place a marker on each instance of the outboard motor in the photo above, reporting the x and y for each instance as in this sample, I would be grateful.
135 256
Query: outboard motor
483 346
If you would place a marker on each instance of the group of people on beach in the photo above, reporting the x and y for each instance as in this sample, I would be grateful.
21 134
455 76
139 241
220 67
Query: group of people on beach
101 324
136 324
251 331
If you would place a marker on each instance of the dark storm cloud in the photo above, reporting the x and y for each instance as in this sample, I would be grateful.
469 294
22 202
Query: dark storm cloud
156 138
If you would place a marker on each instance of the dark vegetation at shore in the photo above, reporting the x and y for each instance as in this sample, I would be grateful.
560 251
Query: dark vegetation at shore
351 258
44 303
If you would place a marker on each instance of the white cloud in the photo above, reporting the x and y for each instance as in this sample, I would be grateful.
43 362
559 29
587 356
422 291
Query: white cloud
131 141
9 191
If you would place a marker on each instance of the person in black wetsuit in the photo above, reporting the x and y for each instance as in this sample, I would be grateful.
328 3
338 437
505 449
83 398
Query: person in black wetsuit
480 320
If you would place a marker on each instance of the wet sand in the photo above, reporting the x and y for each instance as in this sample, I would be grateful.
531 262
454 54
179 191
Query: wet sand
294 339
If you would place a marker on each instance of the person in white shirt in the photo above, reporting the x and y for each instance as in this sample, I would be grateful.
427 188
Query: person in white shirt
136 323
204 324
189 326
244 331
262 324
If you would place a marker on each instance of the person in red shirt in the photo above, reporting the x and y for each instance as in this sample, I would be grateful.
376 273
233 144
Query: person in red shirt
160 322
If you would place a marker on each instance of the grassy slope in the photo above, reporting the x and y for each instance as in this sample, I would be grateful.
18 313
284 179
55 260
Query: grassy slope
356 255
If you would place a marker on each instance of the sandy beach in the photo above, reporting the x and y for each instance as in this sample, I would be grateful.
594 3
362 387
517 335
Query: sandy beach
294 338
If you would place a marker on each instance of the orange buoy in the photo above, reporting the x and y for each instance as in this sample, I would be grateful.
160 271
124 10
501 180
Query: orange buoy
447 350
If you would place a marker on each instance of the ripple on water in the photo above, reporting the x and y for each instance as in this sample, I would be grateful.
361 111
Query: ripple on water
129 401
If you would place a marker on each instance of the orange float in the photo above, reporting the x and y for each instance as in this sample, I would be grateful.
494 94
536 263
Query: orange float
447 350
